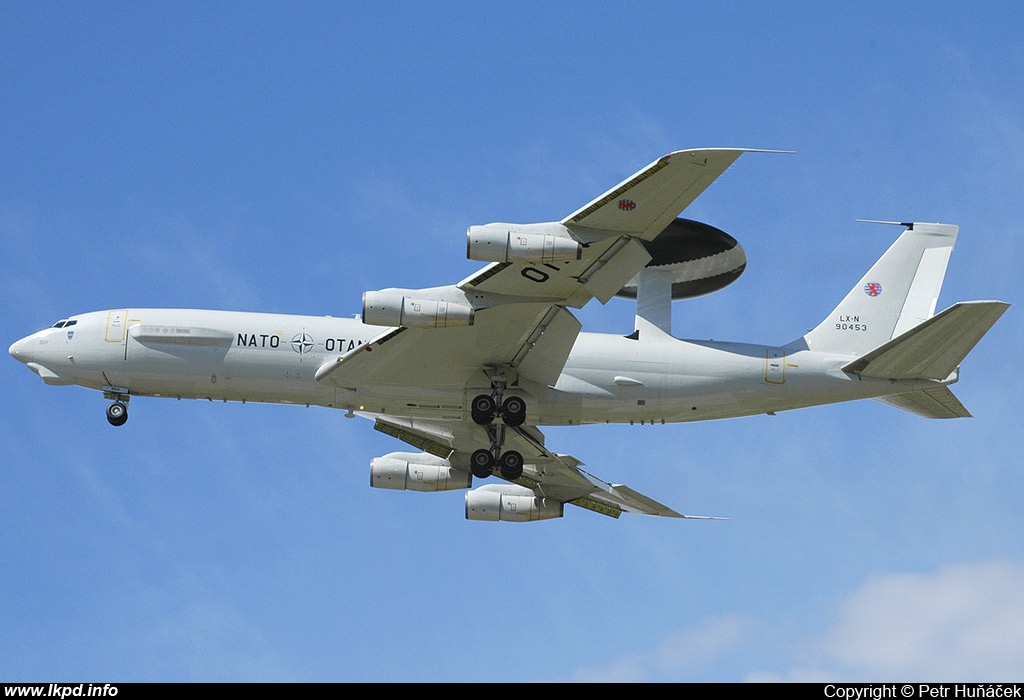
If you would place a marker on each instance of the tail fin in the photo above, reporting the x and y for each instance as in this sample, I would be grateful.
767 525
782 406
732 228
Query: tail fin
898 293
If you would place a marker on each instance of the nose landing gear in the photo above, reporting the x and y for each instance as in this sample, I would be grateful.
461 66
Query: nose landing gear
117 413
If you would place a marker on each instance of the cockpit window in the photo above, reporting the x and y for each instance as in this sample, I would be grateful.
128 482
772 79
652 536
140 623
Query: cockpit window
60 324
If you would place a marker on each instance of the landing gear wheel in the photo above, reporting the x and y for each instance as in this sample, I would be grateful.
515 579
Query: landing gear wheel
481 463
513 411
511 464
482 409
117 413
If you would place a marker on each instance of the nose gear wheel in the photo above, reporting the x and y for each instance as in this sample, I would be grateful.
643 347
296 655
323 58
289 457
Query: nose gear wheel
117 413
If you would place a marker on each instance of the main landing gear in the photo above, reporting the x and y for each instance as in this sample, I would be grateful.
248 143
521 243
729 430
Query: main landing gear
484 409
510 464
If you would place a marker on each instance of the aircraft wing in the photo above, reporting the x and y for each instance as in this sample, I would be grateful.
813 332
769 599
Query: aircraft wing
533 338
611 226
512 318
552 476
521 321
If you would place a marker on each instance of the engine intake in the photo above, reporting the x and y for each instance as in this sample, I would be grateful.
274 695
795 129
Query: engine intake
523 243
511 503
408 471
391 309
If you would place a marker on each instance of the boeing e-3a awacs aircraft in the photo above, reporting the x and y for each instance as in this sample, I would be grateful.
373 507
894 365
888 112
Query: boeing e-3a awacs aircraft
465 373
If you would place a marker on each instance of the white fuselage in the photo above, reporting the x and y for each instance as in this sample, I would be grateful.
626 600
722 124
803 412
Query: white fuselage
237 356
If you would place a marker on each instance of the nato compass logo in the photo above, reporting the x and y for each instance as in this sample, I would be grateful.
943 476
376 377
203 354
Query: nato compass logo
627 204
872 289
302 343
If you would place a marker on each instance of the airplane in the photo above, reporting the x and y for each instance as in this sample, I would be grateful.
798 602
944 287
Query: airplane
467 373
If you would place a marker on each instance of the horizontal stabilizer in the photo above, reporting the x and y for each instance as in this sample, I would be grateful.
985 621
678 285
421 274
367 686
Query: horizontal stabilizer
934 348
929 403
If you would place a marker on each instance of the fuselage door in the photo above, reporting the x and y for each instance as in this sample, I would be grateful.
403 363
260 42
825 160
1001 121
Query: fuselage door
775 366
116 321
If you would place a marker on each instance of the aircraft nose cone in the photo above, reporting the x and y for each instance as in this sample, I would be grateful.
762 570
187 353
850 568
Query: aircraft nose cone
19 350
15 350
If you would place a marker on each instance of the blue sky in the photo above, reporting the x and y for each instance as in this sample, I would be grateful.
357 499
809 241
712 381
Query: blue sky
287 157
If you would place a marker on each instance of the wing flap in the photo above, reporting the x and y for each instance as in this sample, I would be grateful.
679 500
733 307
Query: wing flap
543 353
431 444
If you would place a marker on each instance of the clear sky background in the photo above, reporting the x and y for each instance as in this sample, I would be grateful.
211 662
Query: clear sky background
288 156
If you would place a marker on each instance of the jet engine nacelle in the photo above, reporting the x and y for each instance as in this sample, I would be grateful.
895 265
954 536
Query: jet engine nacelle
523 243
511 503
407 471
393 309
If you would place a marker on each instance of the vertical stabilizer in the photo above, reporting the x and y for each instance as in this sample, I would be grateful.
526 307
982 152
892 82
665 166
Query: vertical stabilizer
898 293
